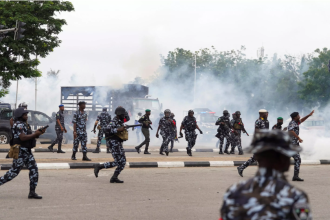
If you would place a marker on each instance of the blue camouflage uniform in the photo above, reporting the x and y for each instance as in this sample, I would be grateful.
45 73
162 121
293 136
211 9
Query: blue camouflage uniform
104 118
166 131
59 134
294 126
80 119
189 126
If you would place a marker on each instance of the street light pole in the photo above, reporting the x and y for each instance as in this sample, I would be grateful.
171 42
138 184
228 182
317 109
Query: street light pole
16 89
195 82
36 84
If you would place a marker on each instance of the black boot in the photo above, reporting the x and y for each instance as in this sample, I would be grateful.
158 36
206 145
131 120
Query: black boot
114 178
296 177
50 148
240 152
73 157
33 194
108 151
166 152
85 158
189 152
59 150
240 171
146 149
137 148
97 168
161 150
232 151
220 151
97 150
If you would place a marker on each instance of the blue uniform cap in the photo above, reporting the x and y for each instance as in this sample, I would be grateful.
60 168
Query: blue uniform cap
61 106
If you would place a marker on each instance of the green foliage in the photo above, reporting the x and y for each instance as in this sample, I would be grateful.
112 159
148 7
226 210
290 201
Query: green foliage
315 85
40 37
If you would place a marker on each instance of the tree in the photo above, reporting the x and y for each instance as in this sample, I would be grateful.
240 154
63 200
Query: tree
37 40
53 74
315 85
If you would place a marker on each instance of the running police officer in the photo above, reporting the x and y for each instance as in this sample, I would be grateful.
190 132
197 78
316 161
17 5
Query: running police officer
146 122
224 131
166 127
20 151
237 127
59 128
115 134
101 122
174 135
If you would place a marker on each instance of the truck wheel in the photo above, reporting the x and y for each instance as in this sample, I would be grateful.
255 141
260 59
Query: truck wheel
4 138
65 140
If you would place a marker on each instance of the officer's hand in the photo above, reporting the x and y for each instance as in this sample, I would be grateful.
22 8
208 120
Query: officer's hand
94 131
200 131
157 135
74 135
300 140
286 128
310 114
62 129
65 130
38 132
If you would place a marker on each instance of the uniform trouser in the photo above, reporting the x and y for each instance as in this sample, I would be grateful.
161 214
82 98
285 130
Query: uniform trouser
118 154
59 137
191 138
83 141
25 157
99 138
236 142
222 137
297 162
248 162
166 141
146 134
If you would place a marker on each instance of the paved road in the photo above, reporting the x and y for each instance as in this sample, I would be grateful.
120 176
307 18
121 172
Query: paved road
162 193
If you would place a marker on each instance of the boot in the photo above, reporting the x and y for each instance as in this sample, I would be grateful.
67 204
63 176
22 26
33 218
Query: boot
33 194
97 168
220 151
50 148
85 158
232 151
240 152
108 151
189 152
59 150
97 150
73 157
137 148
240 171
161 150
114 178
226 150
166 152
146 149
296 177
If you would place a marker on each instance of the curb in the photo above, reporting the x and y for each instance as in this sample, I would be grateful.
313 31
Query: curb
61 166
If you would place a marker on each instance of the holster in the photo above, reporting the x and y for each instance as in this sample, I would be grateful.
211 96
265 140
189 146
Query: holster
14 151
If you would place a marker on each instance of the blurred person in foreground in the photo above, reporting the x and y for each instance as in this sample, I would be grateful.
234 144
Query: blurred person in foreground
268 195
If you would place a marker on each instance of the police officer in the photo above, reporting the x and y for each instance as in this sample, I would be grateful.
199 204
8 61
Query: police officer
237 127
79 121
189 124
59 128
138 129
268 195
102 120
166 127
115 134
293 129
23 141
174 135
278 125
261 123
146 122
224 131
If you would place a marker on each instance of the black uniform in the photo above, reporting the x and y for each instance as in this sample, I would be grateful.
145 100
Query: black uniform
189 126
224 131
145 120
59 134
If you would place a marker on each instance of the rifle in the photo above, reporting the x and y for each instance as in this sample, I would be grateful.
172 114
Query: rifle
243 129
132 126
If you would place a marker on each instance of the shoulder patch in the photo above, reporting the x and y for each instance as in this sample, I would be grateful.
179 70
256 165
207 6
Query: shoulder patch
301 211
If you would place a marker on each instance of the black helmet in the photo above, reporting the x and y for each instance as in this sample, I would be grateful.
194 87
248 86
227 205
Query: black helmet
190 111
167 111
120 111
139 114
172 115
237 113
225 112
23 105
104 109
19 112
81 102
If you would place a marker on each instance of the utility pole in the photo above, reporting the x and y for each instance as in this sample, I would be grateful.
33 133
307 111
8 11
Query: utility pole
36 84
195 82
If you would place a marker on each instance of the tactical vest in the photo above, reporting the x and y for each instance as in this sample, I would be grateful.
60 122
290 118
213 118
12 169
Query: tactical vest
190 124
238 125
29 143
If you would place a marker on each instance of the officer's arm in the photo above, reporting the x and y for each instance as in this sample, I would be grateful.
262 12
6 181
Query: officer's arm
218 122
307 116
59 123
141 119
11 122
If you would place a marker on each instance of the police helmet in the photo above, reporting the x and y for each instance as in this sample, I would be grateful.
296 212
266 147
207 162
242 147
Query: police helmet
191 111
167 111
120 111
237 113
139 114
104 109
19 112
22 105
225 112
172 115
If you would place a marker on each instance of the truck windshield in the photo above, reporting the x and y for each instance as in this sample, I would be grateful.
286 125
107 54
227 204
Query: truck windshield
147 104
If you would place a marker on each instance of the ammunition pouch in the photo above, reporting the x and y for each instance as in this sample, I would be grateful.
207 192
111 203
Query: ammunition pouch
120 136
99 127
14 151
237 126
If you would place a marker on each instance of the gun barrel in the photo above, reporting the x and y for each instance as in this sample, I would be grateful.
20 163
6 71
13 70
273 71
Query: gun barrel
132 126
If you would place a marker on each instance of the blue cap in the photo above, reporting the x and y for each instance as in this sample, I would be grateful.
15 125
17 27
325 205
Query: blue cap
61 106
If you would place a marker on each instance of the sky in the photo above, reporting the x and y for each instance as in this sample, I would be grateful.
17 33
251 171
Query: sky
111 42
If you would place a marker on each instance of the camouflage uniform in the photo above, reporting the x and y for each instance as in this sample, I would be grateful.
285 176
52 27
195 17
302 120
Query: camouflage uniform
59 134
173 134
166 131
224 131
277 127
115 144
294 126
104 118
80 120
260 124
268 195
236 135
189 126
25 157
